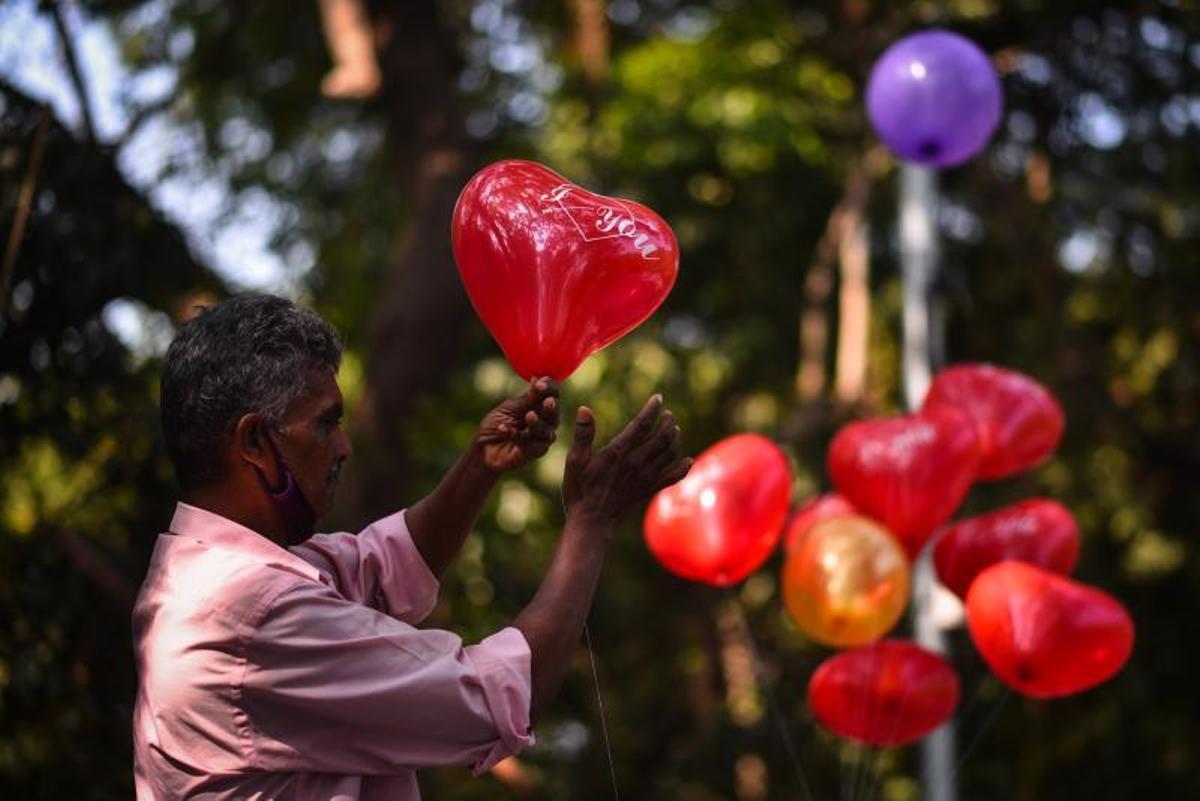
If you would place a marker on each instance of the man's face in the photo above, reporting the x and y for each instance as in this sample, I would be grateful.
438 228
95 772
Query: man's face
312 441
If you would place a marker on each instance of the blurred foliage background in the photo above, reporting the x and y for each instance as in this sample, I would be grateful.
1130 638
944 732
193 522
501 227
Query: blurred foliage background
341 132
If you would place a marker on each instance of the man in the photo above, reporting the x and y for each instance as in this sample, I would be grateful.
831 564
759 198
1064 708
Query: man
274 663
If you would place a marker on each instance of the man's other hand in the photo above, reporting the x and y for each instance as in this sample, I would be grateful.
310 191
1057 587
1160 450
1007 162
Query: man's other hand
607 485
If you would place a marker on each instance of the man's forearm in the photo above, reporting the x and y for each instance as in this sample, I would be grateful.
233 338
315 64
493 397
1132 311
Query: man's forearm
440 522
554 619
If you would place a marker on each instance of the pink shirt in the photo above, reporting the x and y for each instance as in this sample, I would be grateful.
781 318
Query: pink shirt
268 673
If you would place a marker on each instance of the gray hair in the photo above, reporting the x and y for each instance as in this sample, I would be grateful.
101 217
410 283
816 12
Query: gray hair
247 354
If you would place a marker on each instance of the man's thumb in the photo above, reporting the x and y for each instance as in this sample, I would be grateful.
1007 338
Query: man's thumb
585 432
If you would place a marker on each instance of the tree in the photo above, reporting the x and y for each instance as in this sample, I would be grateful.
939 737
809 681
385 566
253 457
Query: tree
84 477
1068 254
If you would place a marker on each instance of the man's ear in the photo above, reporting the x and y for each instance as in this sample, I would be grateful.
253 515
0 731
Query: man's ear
252 447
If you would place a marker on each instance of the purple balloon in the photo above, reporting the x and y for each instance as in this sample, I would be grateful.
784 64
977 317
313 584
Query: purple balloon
934 98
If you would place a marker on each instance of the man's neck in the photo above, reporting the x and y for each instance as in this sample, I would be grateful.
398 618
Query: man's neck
259 517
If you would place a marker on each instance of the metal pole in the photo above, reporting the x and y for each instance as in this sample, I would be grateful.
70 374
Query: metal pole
922 339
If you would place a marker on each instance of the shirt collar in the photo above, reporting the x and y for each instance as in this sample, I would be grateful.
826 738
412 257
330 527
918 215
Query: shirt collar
212 529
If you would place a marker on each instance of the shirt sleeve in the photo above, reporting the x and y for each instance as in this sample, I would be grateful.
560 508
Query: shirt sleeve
380 567
333 686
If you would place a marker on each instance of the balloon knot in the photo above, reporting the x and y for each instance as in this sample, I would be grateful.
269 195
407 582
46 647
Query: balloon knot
929 149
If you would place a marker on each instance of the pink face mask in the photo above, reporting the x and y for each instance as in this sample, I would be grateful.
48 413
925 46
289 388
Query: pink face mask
295 512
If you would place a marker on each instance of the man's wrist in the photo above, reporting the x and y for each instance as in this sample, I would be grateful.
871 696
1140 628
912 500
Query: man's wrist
593 522
476 463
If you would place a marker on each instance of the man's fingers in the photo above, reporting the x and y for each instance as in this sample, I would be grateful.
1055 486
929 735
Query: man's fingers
640 426
667 447
541 433
549 411
541 394
540 389
541 400
674 474
657 441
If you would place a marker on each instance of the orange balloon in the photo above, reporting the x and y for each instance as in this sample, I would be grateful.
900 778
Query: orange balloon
847 584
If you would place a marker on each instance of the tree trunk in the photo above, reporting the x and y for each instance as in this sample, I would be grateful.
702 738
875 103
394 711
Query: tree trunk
843 239
854 304
416 332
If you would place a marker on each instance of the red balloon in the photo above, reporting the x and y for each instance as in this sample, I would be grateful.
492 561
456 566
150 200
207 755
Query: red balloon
1018 420
1037 531
888 693
554 271
1044 635
818 510
724 518
909 473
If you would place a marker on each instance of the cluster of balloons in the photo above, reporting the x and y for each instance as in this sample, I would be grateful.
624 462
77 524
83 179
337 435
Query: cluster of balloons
556 273
847 555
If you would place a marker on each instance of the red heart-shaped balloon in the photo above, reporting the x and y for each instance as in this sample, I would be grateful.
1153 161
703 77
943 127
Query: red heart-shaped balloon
909 472
1038 531
724 518
554 271
888 693
1019 422
818 510
1044 635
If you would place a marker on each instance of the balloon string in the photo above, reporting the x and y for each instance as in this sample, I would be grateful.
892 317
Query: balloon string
592 659
868 772
612 770
846 769
987 724
965 712
875 782
776 713
846 773
862 756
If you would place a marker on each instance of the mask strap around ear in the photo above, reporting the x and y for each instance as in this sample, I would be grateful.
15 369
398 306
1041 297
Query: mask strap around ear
288 482
297 515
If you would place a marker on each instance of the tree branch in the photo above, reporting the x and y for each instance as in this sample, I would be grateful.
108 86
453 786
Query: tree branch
24 201
89 561
64 37
140 117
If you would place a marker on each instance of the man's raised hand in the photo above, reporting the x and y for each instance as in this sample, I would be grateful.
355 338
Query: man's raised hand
520 429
